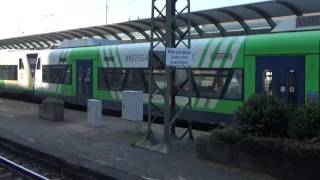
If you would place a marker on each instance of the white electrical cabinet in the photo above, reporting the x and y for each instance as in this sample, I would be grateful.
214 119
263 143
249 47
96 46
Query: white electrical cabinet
132 105
94 115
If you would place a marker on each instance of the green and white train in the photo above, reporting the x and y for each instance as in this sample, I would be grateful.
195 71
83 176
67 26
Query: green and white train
226 72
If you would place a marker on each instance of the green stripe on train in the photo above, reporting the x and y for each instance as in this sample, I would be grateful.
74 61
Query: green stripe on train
214 55
1 83
228 51
118 56
204 52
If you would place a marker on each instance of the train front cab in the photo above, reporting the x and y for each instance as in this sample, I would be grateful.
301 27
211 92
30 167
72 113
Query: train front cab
285 64
17 71
53 74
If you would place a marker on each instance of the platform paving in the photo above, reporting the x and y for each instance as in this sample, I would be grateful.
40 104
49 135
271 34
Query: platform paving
108 146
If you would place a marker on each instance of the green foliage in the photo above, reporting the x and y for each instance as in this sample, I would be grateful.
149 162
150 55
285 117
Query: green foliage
290 147
263 116
305 122
229 134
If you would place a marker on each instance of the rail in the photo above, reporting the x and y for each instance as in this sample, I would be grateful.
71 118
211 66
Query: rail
20 169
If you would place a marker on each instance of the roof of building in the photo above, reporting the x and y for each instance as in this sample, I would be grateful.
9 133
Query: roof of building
245 19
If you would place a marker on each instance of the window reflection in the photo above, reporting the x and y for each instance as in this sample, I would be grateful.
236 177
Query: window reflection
56 74
267 82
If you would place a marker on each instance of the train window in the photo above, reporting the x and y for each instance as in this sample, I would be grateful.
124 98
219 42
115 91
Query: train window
135 80
38 63
267 82
8 72
21 64
219 83
159 78
57 74
111 79
32 63
63 60
182 83
109 59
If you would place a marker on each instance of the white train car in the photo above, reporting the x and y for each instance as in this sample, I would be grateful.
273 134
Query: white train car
17 68
51 70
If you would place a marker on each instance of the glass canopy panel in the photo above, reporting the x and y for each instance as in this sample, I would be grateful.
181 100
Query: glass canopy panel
209 28
232 26
137 35
108 36
258 24
97 37
123 36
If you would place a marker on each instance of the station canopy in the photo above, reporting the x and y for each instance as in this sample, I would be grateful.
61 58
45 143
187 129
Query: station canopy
245 19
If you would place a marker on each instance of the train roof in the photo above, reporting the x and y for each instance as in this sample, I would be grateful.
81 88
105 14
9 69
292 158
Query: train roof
256 18
87 42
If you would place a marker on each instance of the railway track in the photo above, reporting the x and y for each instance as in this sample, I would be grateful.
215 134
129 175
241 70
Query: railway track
20 162
15 167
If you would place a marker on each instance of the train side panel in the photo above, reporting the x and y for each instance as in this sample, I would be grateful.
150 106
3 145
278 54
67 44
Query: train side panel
25 76
84 73
53 75
15 73
226 54
213 58
226 72
283 50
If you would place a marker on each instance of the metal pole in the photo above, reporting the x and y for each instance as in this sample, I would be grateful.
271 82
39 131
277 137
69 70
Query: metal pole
169 42
171 37
150 87
107 8
189 76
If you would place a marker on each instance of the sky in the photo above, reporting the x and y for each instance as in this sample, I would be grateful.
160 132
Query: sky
26 17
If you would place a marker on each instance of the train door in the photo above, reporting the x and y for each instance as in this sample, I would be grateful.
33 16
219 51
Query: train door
32 60
282 76
38 75
84 81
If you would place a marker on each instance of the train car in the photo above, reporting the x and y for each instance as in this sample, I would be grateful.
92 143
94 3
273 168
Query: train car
53 74
217 76
17 71
226 72
286 64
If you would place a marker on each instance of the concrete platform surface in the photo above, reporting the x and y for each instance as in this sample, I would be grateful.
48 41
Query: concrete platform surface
108 146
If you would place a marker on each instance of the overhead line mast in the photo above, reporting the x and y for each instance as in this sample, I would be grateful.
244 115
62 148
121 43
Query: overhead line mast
107 8
171 36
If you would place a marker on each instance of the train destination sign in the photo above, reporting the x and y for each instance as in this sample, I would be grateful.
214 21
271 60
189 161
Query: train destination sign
178 57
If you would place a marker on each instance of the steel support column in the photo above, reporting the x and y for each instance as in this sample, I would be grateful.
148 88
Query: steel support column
171 38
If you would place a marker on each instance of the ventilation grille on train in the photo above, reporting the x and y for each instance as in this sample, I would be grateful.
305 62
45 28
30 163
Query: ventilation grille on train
308 21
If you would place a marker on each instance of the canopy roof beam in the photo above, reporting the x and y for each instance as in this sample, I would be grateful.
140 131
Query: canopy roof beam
107 30
50 38
263 14
72 35
32 41
140 30
84 33
12 42
156 27
290 6
97 32
123 30
25 42
213 21
131 30
38 39
193 24
238 18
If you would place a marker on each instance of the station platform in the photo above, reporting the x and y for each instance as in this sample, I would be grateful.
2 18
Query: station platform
107 148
